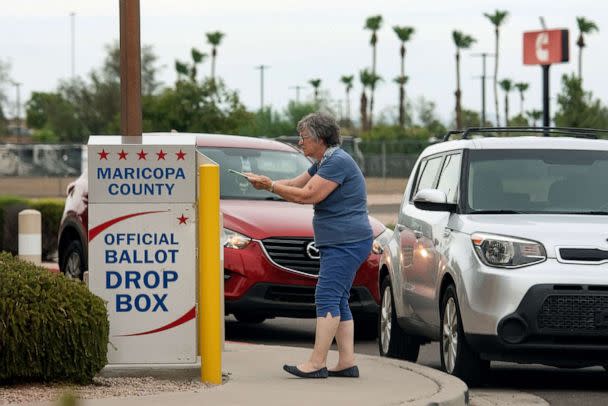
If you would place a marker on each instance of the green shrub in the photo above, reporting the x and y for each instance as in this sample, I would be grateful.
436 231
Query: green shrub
50 210
51 328
8 229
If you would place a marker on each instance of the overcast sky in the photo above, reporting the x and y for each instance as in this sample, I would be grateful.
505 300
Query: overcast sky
301 40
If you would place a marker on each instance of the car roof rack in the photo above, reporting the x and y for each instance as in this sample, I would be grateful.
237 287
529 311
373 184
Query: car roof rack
546 131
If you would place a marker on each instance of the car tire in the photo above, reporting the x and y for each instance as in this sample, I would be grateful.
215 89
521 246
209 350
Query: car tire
366 328
392 340
457 357
249 318
73 262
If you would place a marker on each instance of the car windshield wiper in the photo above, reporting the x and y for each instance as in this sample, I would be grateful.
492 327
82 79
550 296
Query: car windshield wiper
495 212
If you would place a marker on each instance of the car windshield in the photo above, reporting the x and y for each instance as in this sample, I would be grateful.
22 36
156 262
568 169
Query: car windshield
274 164
537 181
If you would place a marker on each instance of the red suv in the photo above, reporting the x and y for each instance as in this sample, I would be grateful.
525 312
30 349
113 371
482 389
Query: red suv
270 261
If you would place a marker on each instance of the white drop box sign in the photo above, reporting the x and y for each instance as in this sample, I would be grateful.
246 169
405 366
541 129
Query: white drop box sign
144 267
142 173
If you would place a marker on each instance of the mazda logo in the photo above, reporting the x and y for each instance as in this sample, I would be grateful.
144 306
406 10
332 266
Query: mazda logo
312 251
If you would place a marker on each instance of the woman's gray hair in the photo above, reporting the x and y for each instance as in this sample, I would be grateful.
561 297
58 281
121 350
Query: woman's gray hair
322 127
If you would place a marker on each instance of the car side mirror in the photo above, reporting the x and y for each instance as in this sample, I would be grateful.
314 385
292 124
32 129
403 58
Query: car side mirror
433 200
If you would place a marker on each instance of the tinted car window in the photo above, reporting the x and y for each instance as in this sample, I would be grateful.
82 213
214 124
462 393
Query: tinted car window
538 181
274 164
428 173
450 176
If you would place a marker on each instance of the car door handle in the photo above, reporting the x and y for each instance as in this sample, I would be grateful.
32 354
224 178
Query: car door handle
400 227
419 234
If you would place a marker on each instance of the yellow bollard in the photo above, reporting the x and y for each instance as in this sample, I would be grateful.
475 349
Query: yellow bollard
209 274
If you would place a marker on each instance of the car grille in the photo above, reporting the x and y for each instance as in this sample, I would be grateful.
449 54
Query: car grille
291 253
591 255
571 313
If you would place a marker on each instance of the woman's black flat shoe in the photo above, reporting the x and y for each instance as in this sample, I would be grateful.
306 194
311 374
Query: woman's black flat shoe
352 372
319 373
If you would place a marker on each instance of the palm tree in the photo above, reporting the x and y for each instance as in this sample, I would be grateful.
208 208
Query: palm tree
534 115
584 27
497 19
214 39
348 83
316 84
521 88
373 24
404 34
506 85
462 41
181 68
365 76
401 81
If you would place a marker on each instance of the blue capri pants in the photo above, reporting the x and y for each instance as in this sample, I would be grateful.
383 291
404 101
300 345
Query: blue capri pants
339 264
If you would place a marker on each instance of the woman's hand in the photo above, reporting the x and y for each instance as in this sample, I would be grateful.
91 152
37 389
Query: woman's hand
259 182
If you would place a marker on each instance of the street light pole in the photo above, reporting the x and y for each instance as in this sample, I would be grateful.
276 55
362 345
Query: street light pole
261 68
73 41
483 77
297 87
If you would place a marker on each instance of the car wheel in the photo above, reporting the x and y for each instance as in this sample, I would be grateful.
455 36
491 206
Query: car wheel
393 341
249 318
366 328
457 357
73 263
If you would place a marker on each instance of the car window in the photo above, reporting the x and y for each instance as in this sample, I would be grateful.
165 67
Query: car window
538 181
450 176
274 164
428 173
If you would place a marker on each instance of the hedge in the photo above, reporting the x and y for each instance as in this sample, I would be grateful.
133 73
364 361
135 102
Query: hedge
50 210
51 328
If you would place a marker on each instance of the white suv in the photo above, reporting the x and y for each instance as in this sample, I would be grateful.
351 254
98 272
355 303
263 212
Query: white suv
500 252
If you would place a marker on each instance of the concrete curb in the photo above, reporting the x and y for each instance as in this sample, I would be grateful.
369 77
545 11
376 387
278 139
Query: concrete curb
452 391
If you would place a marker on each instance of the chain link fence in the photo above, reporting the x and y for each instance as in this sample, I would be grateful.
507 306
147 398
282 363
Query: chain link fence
390 159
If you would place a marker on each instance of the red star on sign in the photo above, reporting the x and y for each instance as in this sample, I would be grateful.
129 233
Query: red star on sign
180 155
182 219
142 155
161 155
122 155
103 155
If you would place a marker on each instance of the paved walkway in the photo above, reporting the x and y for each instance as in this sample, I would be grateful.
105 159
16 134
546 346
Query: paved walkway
256 377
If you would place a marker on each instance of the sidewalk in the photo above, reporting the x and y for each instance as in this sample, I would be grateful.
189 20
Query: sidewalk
256 377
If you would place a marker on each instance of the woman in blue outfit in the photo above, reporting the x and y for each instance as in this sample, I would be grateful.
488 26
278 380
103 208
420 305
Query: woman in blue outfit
335 186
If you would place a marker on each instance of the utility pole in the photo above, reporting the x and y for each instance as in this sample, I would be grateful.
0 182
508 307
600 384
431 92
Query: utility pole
18 107
297 88
483 78
73 41
261 68
130 71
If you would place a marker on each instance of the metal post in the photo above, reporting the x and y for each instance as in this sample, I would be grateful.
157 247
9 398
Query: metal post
261 68
73 41
383 159
546 115
210 274
130 70
297 88
483 56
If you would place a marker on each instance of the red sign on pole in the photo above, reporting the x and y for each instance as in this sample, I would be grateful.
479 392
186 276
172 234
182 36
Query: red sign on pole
546 47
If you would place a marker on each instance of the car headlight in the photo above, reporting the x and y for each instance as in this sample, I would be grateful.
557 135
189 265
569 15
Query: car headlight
235 240
380 241
507 252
